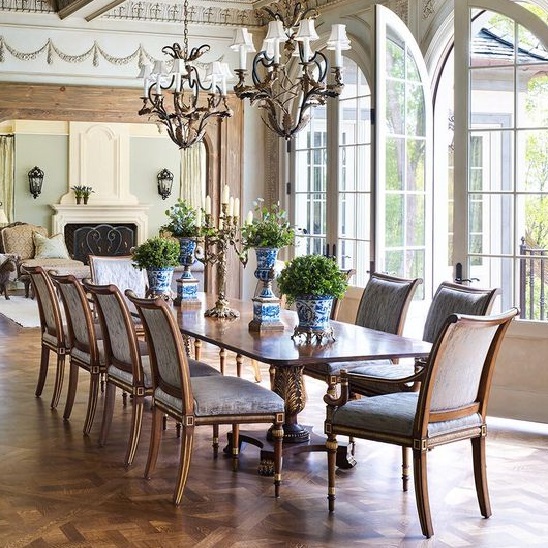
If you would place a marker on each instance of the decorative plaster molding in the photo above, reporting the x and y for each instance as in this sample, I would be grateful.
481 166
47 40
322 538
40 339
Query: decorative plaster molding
26 6
428 8
400 8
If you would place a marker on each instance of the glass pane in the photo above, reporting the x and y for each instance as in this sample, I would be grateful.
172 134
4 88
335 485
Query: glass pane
532 158
395 60
533 104
414 117
395 107
490 87
394 217
395 156
415 232
493 40
412 69
531 49
533 221
416 176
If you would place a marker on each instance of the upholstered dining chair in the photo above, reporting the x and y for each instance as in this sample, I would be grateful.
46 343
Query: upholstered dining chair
383 306
86 344
53 334
127 361
118 270
195 401
450 406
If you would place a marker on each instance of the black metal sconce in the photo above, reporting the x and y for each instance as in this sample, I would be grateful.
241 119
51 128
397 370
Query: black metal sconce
165 183
36 178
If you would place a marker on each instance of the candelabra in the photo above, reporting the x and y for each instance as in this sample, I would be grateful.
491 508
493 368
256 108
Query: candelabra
217 239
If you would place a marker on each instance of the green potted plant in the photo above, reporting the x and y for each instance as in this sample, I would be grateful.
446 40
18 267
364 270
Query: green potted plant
312 282
81 192
158 256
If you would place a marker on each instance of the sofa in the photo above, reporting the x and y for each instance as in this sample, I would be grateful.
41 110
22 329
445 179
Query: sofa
33 247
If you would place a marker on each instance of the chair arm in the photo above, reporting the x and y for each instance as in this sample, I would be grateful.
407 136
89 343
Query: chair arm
344 396
358 378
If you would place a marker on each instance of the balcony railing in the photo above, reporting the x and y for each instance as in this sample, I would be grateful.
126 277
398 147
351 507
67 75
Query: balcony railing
533 279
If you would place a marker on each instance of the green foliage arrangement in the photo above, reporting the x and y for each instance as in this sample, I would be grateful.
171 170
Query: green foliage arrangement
182 220
81 191
311 275
156 253
269 228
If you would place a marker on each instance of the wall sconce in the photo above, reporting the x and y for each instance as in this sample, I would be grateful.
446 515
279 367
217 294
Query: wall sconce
165 182
36 178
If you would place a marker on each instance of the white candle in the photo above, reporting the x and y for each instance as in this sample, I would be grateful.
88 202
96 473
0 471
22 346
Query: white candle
236 207
231 206
243 55
198 222
249 217
208 205
225 195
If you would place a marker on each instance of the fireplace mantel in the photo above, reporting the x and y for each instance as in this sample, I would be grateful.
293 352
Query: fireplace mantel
65 214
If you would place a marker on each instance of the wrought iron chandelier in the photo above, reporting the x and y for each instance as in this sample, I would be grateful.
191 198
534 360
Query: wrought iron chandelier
188 114
286 100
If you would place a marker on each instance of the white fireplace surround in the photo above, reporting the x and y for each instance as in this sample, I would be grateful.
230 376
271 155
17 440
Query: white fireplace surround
65 214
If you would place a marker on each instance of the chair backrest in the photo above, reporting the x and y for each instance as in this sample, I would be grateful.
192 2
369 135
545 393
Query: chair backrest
168 359
49 308
385 301
460 368
81 329
117 326
119 271
453 298
18 239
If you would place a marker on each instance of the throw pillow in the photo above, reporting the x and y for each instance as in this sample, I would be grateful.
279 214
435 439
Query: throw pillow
50 248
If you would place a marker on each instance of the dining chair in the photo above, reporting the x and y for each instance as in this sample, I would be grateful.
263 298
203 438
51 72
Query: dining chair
118 270
127 362
52 329
383 306
451 405
86 344
195 401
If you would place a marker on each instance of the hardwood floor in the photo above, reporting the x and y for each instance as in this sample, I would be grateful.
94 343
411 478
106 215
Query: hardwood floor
58 488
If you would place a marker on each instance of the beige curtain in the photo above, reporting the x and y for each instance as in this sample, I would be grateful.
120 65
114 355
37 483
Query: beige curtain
193 175
6 174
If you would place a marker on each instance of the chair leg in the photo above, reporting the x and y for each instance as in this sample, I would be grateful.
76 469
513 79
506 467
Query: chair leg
71 393
235 446
215 441
421 492
59 378
331 446
135 432
256 371
405 467
43 371
92 401
108 411
184 463
277 434
480 475
155 435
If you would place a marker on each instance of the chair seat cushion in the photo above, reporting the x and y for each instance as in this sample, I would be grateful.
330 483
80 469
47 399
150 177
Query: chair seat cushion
394 414
127 377
220 395
53 263
335 367
201 369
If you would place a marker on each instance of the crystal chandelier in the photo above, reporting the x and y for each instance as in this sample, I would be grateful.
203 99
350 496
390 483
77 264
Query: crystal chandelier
286 100
188 113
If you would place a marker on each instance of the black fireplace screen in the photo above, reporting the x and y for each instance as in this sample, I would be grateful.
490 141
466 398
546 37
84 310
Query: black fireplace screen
99 239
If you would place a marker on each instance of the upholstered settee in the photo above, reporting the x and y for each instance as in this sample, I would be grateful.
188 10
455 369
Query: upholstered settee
33 247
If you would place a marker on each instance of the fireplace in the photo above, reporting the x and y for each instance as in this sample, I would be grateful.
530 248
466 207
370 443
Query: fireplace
99 239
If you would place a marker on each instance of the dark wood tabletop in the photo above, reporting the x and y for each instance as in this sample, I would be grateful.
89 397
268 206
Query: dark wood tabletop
352 343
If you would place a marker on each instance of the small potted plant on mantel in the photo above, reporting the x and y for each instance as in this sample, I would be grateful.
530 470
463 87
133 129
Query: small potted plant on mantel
312 282
158 256
81 192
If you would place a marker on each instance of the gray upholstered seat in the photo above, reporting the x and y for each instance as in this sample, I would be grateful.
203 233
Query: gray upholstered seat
86 345
54 335
199 400
451 406
383 306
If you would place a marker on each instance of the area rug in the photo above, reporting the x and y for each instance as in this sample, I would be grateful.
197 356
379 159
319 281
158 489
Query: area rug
21 310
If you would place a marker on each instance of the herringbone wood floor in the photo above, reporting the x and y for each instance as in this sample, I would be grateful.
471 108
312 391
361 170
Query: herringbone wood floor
58 488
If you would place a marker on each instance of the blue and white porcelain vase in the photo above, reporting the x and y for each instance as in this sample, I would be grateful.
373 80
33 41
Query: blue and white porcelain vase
159 280
266 259
314 313
186 255
187 285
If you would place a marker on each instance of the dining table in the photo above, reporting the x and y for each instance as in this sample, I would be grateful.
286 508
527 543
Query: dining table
286 356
